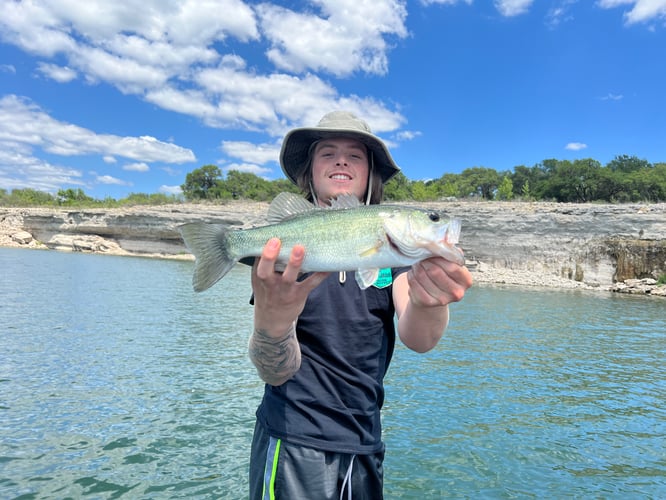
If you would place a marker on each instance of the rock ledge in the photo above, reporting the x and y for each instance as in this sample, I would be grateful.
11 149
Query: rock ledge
605 247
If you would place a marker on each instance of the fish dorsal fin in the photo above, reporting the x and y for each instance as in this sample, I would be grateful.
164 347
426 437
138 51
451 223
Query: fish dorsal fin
287 205
345 201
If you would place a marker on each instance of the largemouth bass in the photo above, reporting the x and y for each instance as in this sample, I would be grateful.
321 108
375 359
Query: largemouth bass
347 236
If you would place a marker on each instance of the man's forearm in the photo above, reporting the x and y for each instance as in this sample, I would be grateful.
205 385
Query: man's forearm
276 359
421 328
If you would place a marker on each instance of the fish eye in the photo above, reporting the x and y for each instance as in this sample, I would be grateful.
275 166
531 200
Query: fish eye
433 216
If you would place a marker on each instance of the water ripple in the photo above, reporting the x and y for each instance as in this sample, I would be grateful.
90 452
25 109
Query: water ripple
116 381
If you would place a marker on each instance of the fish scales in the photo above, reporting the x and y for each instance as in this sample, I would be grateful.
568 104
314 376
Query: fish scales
334 240
347 236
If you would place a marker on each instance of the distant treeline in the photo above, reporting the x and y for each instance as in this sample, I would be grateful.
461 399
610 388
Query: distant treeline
624 179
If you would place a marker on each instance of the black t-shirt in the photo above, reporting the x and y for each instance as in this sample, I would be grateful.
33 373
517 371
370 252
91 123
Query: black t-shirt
333 402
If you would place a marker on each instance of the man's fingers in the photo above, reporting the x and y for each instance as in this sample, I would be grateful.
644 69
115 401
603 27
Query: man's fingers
295 262
438 281
266 264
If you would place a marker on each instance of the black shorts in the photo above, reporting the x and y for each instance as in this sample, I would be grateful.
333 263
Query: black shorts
280 470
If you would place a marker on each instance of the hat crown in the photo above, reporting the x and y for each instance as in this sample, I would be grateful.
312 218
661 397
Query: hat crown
343 120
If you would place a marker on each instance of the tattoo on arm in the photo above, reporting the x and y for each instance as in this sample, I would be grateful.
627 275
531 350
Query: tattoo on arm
276 360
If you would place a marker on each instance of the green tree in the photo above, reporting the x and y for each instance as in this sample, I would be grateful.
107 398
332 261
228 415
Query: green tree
30 197
419 191
283 185
480 181
648 184
398 188
505 189
149 199
71 197
579 181
659 177
612 186
200 182
245 185
627 164
532 177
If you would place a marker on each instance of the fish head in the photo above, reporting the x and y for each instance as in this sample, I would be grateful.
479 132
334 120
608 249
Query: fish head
419 234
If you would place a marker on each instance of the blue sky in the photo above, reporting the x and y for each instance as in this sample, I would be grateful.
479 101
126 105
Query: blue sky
123 97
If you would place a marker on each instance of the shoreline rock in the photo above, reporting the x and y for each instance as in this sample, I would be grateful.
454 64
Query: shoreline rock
573 246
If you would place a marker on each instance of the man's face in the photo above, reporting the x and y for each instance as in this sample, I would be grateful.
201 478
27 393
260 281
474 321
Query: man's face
339 166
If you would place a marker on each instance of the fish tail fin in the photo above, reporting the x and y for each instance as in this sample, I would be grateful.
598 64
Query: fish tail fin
209 244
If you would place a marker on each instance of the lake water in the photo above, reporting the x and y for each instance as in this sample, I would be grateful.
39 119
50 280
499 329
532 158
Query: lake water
117 381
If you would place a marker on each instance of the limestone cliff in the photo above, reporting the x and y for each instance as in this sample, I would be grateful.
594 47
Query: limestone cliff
593 244
590 244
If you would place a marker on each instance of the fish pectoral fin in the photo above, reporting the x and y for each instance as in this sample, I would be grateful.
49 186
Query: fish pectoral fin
368 252
366 277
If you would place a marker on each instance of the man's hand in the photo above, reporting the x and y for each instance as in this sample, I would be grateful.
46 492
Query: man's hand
278 300
437 282
278 297
421 298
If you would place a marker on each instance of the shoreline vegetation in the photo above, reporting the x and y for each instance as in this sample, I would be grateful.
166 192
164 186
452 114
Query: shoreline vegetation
505 243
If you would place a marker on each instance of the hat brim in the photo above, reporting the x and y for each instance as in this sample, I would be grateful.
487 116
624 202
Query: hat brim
297 142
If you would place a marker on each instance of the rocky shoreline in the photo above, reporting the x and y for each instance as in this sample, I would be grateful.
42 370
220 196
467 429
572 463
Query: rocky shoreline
584 246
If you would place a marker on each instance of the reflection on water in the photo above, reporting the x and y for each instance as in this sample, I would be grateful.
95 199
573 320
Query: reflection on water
117 381
535 394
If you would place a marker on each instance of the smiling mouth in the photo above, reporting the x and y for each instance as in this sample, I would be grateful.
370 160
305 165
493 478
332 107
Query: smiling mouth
340 177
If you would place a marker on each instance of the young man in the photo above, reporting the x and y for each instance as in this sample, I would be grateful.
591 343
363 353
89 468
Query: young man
323 345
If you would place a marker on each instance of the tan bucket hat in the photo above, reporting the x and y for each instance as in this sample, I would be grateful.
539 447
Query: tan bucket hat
297 142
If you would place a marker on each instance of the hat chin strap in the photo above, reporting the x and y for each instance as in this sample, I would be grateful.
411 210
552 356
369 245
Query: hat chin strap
369 195
371 166
314 196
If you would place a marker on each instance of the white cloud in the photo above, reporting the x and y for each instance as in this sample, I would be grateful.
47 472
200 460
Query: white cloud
250 152
248 168
8 68
23 122
134 45
348 35
20 170
612 97
510 8
169 53
559 13
25 127
170 190
407 135
137 167
641 10
445 2
107 179
171 171
61 74
575 146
